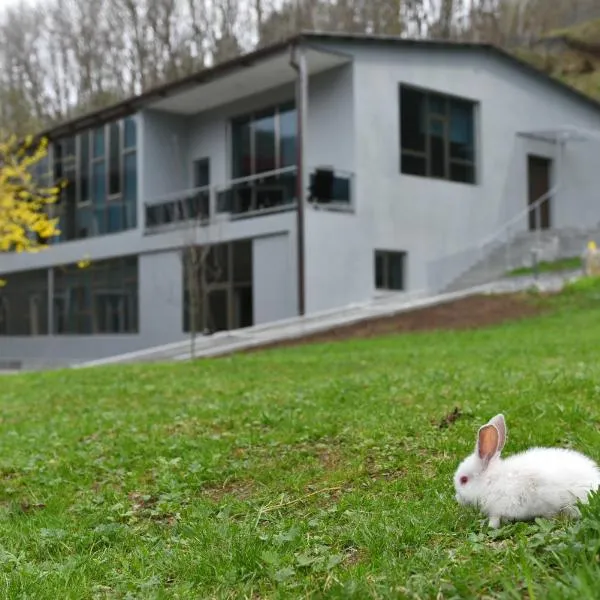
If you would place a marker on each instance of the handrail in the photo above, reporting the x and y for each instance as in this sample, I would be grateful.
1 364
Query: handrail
218 187
178 195
255 177
527 211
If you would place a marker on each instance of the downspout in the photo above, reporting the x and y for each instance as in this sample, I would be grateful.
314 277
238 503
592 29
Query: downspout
298 63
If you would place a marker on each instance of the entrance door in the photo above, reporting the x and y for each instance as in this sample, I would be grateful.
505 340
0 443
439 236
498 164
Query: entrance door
538 175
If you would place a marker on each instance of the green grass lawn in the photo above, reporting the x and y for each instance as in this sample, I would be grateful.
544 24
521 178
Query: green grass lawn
563 264
318 471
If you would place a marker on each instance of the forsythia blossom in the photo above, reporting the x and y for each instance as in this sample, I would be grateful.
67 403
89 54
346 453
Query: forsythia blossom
25 215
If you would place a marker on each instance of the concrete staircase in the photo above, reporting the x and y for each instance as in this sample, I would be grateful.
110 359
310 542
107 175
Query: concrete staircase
550 245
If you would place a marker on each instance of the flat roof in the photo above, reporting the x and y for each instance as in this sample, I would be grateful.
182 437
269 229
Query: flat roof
269 60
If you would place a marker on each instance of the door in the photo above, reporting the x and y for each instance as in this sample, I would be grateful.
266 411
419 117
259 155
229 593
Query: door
538 175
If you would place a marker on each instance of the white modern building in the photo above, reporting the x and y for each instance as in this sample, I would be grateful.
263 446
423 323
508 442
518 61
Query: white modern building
408 156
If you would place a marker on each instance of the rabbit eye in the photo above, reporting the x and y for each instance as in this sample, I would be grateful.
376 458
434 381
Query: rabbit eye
464 480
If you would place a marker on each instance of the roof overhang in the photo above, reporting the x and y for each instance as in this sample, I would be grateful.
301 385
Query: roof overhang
259 76
561 134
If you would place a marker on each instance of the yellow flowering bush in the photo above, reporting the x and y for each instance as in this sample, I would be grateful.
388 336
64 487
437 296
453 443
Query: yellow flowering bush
25 216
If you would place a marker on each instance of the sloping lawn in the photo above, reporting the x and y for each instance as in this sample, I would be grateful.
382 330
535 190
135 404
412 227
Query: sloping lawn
319 471
557 266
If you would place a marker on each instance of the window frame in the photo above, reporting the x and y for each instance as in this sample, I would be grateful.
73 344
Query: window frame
123 282
251 117
385 255
445 119
111 202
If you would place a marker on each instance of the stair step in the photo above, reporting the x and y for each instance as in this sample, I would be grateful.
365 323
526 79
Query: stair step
555 243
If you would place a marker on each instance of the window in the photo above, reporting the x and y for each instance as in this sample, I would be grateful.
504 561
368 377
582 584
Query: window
437 135
389 270
114 176
99 168
202 172
4 314
84 167
217 287
264 141
24 303
102 298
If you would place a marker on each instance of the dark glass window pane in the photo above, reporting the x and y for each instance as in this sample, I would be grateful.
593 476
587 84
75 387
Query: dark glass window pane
100 221
130 133
412 119
287 137
99 183
461 172
242 156
84 222
115 218
69 149
99 142
84 167
243 307
69 207
24 303
437 147
201 172
242 261
57 155
216 264
114 186
414 165
264 143
462 138
438 105
130 189
379 270
217 310
395 275
42 171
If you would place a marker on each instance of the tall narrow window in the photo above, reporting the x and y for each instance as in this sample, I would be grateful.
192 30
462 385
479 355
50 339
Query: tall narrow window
99 196
243 164
265 153
201 172
114 178
99 142
130 188
287 136
84 167
130 133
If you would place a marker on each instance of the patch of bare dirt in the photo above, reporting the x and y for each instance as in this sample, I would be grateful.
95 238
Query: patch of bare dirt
239 488
473 312
450 418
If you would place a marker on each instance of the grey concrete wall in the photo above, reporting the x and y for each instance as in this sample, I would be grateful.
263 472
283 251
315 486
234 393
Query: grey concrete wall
161 297
431 219
165 158
339 260
274 278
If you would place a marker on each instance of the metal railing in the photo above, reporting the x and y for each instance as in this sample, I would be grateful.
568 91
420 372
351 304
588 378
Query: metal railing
501 251
245 197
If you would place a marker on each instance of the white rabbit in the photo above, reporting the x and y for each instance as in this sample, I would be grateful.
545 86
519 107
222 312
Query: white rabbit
540 482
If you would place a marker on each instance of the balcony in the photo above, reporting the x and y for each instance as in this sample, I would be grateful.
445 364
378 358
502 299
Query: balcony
248 197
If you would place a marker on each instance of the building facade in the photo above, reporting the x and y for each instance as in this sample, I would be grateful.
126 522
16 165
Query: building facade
184 199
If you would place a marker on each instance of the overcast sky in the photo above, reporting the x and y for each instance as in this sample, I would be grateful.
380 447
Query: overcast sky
6 3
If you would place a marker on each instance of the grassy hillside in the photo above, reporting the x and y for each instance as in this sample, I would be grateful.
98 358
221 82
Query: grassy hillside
318 471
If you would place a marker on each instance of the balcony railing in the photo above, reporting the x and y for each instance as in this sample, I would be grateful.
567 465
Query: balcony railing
247 197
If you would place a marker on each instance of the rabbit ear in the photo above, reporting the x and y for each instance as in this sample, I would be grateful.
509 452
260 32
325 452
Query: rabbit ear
487 442
500 424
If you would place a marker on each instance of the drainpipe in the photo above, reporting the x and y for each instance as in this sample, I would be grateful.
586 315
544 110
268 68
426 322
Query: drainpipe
298 63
